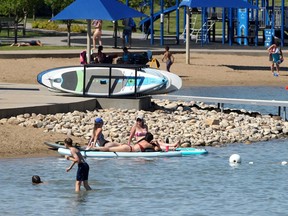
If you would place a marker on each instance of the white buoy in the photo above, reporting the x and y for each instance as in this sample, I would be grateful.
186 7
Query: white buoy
235 159
251 162
284 163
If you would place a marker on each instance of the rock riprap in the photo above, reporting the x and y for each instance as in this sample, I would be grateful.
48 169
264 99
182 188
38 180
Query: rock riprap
196 124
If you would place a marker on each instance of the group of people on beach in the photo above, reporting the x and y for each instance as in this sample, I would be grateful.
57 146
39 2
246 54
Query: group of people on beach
127 58
129 26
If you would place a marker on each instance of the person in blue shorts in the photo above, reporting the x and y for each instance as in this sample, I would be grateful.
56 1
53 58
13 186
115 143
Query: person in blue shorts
83 167
276 57
127 32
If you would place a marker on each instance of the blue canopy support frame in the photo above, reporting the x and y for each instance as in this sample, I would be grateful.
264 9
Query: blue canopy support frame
211 4
282 22
223 25
162 23
96 9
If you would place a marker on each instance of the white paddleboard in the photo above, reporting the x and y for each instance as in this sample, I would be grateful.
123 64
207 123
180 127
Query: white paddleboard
71 79
99 154
60 144
174 82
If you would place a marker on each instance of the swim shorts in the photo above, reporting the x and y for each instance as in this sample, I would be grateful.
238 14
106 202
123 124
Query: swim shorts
82 172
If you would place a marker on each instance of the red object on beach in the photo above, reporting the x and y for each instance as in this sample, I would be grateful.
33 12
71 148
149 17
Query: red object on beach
286 87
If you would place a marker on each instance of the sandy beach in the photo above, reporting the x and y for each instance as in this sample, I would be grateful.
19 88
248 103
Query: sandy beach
204 70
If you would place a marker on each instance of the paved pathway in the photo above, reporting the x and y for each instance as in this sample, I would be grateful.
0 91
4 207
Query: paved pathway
18 99
139 45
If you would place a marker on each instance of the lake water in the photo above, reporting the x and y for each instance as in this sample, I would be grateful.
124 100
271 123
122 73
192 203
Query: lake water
241 92
192 185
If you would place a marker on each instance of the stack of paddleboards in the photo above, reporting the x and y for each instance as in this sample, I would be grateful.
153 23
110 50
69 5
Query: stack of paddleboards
109 80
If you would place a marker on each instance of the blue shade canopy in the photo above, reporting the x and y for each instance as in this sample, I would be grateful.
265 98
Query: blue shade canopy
217 3
97 9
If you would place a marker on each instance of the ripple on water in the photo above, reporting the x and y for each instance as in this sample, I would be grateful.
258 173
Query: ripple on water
202 185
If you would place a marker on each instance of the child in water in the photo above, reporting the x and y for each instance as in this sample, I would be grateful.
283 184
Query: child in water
83 167
36 179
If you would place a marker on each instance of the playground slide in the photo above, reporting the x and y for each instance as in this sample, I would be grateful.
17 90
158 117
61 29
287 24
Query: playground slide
156 16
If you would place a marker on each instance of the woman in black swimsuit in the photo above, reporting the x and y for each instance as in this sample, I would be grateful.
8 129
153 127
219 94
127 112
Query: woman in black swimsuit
142 145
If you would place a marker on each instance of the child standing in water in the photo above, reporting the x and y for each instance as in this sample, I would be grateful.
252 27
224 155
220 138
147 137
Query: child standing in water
168 57
83 167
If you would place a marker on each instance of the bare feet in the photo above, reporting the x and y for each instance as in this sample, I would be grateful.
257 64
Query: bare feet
176 145
88 147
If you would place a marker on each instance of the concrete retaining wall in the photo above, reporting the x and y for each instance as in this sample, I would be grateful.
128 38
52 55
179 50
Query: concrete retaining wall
142 103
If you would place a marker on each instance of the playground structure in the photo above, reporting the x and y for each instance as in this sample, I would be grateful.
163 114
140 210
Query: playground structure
145 24
242 26
248 26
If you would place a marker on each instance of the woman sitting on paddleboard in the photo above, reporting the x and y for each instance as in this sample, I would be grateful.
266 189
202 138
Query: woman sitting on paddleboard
140 129
97 138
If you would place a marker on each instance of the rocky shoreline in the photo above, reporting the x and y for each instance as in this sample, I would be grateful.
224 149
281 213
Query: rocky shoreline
195 123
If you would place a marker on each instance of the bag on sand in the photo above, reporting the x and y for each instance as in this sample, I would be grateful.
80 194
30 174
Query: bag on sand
83 57
154 63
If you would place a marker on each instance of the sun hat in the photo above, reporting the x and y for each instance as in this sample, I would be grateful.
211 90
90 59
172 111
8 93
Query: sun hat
98 120
140 117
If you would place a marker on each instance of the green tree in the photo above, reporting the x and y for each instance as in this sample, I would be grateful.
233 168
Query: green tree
58 6
52 4
18 10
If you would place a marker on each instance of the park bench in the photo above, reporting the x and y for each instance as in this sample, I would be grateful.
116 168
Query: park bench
7 23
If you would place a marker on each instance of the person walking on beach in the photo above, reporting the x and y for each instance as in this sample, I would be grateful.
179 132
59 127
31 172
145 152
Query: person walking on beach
83 167
168 57
128 24
97 32
275 57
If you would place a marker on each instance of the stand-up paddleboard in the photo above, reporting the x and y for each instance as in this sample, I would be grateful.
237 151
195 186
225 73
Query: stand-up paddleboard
100 154
60 144
45 78
191 151
174 82
98 81
184 151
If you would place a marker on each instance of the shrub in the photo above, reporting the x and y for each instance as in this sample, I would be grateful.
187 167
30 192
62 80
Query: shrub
78 29
54 26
